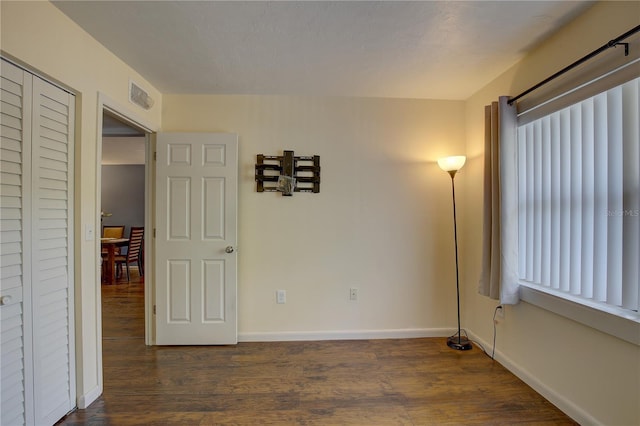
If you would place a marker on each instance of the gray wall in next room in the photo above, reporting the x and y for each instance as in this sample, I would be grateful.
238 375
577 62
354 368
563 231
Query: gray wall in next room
123 195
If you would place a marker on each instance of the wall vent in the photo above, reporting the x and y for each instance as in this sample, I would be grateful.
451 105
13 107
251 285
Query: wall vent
139 96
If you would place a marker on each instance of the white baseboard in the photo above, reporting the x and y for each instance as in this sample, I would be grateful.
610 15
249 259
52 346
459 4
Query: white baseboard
284 336
566 406
85 400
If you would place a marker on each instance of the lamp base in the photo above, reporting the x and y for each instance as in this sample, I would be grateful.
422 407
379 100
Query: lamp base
459 343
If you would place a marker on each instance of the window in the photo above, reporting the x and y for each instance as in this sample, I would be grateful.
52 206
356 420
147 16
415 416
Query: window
579 201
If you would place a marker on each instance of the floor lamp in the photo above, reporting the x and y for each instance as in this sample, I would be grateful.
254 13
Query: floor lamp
451 165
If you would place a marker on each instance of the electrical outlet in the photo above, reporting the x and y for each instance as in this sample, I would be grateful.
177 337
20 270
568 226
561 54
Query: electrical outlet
353 294
281 296
500 312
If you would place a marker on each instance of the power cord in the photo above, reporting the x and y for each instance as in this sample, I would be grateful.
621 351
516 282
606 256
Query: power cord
480 346
463 332
495 312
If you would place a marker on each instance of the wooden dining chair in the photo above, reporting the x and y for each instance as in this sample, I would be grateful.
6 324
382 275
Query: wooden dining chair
112 231
134 251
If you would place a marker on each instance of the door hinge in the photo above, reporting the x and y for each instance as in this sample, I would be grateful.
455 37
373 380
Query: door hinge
154 309
155 155
154 232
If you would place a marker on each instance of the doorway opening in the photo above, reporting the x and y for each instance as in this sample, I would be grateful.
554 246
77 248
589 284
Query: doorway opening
122 210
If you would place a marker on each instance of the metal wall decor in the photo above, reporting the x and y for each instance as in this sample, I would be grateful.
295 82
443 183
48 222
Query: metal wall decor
288 173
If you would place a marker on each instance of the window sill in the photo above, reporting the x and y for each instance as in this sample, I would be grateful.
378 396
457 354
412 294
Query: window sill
625 326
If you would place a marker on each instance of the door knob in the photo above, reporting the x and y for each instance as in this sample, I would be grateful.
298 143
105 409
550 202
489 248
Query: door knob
229 249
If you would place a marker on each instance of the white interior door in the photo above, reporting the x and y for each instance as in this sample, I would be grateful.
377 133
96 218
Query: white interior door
196 235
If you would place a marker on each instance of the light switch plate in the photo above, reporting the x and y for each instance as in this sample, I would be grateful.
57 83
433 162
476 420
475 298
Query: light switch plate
88 233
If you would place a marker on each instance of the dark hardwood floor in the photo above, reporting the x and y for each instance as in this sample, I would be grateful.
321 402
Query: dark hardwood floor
364 382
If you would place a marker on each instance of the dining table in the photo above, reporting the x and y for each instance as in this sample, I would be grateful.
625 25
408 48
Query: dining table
109 264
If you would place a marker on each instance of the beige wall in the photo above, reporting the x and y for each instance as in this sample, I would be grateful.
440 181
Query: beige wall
590 375
381 222
38 35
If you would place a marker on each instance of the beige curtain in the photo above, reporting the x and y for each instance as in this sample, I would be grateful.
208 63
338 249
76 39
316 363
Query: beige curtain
499 278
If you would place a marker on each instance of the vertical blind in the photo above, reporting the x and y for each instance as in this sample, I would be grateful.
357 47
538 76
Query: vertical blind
579 199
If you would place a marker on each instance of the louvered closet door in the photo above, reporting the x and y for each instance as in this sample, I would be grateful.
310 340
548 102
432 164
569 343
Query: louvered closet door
52 258
39 232
15 313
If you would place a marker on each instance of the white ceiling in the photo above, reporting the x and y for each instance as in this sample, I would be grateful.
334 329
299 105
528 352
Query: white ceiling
415 49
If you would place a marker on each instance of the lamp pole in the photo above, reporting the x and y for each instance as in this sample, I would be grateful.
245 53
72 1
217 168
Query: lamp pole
451 165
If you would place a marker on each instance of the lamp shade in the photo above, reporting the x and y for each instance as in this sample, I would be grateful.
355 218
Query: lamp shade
454 163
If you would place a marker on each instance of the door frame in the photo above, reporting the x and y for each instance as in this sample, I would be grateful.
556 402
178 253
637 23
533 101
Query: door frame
126 115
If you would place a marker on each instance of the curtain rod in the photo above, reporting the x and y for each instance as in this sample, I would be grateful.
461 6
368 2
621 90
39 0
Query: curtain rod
613 43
